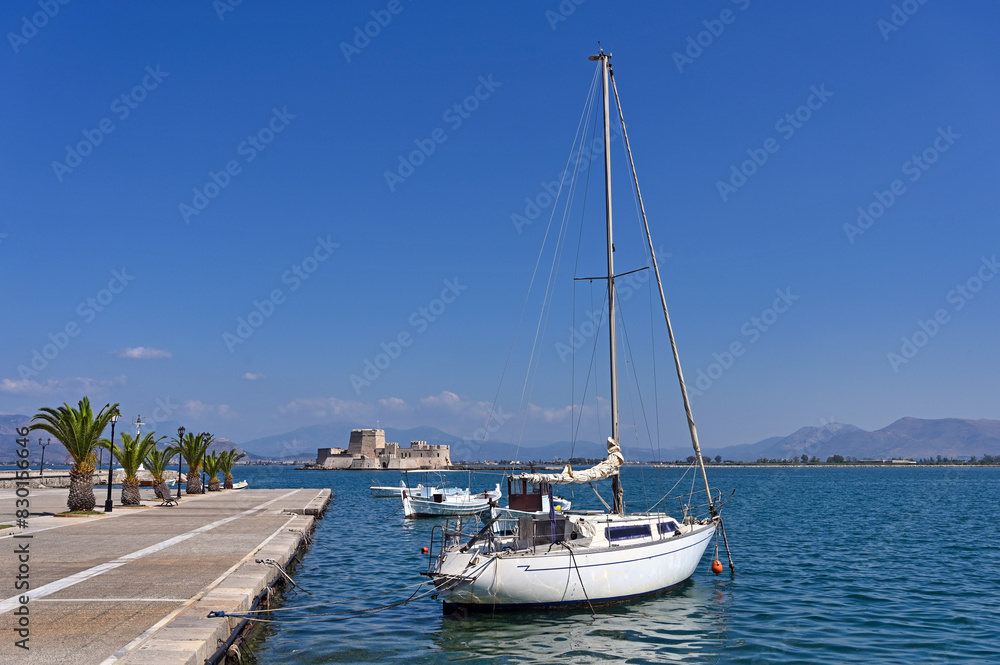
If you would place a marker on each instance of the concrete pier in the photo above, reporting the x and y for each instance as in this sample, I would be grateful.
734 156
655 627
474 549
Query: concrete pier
136 586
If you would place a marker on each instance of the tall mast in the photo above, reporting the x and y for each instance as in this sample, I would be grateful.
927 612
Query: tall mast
666 314
619 504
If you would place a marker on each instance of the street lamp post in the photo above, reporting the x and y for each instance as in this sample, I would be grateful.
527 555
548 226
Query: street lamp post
41 465
180 458
110 504
204 487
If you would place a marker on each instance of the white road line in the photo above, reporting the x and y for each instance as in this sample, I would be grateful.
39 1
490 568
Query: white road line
52 587
138 641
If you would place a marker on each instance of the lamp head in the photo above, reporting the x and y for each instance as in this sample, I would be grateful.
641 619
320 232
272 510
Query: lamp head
180 432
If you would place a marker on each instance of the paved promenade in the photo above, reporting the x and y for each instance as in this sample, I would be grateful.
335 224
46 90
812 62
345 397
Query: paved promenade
135 586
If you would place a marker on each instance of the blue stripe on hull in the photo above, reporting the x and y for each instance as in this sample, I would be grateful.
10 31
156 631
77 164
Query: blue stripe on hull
451 608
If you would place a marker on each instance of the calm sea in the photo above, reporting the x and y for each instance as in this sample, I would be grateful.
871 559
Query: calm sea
833 566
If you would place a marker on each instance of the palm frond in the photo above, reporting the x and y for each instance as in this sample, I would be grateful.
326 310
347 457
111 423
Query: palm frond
228 458
212 466
158 460
192 448
77 429
133 451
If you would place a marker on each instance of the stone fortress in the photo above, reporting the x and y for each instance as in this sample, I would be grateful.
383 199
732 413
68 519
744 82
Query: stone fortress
367 450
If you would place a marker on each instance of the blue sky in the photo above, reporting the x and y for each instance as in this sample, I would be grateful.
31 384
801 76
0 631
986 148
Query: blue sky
186 167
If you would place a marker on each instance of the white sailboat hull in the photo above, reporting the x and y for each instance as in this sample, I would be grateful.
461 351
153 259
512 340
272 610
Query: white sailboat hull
553 576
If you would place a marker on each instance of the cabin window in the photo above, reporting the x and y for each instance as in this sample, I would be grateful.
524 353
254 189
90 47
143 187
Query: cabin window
614 533
667 527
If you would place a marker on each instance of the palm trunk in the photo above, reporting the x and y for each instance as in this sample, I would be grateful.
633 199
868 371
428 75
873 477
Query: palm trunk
213 484
81 490
228 484
130 492
194 482
161 489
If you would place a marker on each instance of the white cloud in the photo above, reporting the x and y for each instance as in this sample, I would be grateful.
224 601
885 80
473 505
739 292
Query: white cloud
197 409
143 353
62 387
330 408
250 376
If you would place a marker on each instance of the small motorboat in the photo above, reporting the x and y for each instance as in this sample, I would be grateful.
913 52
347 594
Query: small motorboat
432 502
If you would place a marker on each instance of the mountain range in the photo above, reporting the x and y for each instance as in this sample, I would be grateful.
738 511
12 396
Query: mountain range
912 438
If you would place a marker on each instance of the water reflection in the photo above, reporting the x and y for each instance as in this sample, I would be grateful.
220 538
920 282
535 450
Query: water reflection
678 626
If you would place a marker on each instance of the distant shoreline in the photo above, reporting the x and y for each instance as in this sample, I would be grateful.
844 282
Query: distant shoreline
548 467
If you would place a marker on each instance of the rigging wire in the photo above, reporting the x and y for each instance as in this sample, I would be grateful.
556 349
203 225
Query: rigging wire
546 302
576 271
642 403
538 261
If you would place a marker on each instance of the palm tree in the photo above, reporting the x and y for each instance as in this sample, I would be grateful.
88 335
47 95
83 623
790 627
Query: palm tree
157 462
130 455
79 430
192 448
227 458
212 465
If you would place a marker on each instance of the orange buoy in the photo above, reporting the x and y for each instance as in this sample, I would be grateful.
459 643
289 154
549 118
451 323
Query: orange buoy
716 567
424 550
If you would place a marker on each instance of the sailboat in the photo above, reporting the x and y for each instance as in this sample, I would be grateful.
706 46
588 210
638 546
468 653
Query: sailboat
580 558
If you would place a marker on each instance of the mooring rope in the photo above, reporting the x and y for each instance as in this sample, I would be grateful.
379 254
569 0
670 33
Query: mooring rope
572 557
272 562
346 614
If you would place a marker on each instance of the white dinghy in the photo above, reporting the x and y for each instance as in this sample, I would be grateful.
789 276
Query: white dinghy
430 501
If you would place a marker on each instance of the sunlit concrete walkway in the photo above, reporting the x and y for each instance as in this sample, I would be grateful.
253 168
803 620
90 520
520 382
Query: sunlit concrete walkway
135 586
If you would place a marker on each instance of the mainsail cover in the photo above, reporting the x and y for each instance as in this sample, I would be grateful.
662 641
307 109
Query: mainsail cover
605 469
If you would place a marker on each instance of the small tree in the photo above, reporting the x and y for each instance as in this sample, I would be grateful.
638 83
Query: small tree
212 469
228 458
718 459
79 430
192 448
157 462
130 455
